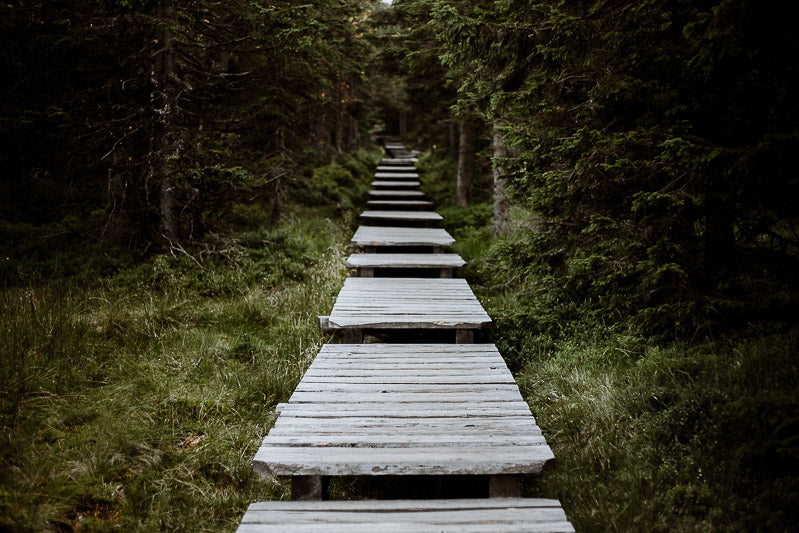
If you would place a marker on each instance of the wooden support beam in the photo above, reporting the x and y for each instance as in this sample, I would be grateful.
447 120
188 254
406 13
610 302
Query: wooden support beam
309 488
352 336
505 486
445 273
464 336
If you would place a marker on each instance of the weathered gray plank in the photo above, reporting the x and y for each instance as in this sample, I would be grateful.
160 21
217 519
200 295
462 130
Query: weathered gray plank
403 161
389 236
395 184
407 205
405 261
345 461
406 216
401 441
396 194
432 409
396 175
350 351
404 303
397 168
487 515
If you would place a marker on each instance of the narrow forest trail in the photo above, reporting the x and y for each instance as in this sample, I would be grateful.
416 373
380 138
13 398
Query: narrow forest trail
445 412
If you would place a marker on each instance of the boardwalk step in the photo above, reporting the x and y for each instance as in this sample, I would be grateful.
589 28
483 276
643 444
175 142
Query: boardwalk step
395 184
395 194
407 303
468 515
405 261
397 168
379 410
390 236
403 217
403 161
400 204
397 175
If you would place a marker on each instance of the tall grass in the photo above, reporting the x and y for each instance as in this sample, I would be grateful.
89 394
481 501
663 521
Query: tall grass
137 403
698 435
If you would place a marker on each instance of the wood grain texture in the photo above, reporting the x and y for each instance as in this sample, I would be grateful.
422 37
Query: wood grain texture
390 236
385 194
404 410
399 204
408 516
397 168
397 175
405 216
404 161
405 303
395 184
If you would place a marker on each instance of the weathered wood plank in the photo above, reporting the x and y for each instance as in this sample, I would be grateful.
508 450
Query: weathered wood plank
405 205
401 441
404 161
405 216
337 423
386 194
429 409
397 168
395 184
486 515
345 461
405 303
349 351
388 236
396 175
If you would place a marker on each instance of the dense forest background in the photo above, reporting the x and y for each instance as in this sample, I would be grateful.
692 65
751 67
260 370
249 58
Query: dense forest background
179 180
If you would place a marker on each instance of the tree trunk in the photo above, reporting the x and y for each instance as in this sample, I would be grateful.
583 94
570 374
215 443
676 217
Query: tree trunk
467 161
339 117
403 125
453 140
501 205
164 104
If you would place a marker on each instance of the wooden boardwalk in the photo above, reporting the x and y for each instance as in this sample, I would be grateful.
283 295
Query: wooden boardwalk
507 515
367 263
396 194
381 236
406 218
435 410
405 205
404 410
403 169
396 175
406 303
395 184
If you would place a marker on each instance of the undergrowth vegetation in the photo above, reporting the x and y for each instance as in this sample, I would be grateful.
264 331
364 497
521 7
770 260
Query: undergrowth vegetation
649 434
134 394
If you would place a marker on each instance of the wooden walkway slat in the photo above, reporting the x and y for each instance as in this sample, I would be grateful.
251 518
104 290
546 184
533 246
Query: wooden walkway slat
347 427
397 168
401 303
395 194
420 217
389 236
395 184
400 204
408 516
404 161
405 261
397 175
388 214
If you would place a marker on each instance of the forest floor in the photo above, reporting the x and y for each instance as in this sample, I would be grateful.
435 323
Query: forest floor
136 400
